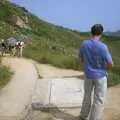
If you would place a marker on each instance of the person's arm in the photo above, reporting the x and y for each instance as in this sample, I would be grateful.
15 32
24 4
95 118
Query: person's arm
107 58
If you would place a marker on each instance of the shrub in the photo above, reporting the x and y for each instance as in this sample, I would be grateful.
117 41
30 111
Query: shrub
5 75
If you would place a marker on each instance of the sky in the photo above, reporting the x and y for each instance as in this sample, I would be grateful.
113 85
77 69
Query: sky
76 14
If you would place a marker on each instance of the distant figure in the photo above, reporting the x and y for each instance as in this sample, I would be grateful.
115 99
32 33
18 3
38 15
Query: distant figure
12 50
3 45
19 48
11 45
96 59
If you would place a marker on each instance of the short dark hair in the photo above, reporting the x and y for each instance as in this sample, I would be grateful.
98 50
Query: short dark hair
97 29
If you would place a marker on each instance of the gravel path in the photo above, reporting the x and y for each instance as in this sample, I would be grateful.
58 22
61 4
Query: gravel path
15 96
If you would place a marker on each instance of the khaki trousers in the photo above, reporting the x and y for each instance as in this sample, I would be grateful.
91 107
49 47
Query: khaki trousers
94 98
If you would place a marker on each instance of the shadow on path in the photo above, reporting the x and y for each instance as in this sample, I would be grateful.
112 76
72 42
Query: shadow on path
62 114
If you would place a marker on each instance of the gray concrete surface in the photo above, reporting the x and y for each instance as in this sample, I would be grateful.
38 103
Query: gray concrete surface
67 92
41 96
59 92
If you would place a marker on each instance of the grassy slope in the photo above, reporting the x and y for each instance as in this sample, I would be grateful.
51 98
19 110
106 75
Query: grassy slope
45 36
5 75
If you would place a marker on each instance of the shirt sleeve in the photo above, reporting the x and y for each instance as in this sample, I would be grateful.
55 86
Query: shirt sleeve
107 56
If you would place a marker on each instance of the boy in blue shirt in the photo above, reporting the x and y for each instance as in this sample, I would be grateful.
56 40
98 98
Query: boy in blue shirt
96 59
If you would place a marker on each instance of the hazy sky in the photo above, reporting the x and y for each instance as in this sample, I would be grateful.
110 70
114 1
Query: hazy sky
76 14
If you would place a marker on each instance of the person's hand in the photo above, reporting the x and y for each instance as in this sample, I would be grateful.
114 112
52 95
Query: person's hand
110 65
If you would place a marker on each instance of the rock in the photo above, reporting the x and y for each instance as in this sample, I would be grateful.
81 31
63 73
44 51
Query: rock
20 21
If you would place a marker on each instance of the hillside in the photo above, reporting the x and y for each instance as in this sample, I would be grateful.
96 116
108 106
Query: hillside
50 43
117 33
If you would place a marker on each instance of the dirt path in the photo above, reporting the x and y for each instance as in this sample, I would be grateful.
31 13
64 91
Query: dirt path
16 95
48 71
112 107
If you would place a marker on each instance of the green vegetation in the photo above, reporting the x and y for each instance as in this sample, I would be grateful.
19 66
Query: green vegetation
50 43
5 75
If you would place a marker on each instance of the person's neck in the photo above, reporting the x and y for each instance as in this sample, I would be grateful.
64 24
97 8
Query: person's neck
95 37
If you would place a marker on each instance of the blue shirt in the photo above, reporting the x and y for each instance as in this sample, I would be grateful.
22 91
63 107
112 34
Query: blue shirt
96 56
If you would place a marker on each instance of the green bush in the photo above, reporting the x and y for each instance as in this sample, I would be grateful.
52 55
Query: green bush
113 78
5 75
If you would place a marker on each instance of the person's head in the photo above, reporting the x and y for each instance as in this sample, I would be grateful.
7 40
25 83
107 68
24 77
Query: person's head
97 30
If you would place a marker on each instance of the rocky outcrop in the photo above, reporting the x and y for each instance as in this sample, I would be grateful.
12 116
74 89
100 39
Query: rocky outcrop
21 22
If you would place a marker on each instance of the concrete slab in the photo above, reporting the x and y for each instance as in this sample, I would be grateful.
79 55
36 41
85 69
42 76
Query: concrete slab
41 97
67 92
59 92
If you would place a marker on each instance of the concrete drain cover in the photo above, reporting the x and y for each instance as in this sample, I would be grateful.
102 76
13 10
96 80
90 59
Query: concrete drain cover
59 92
